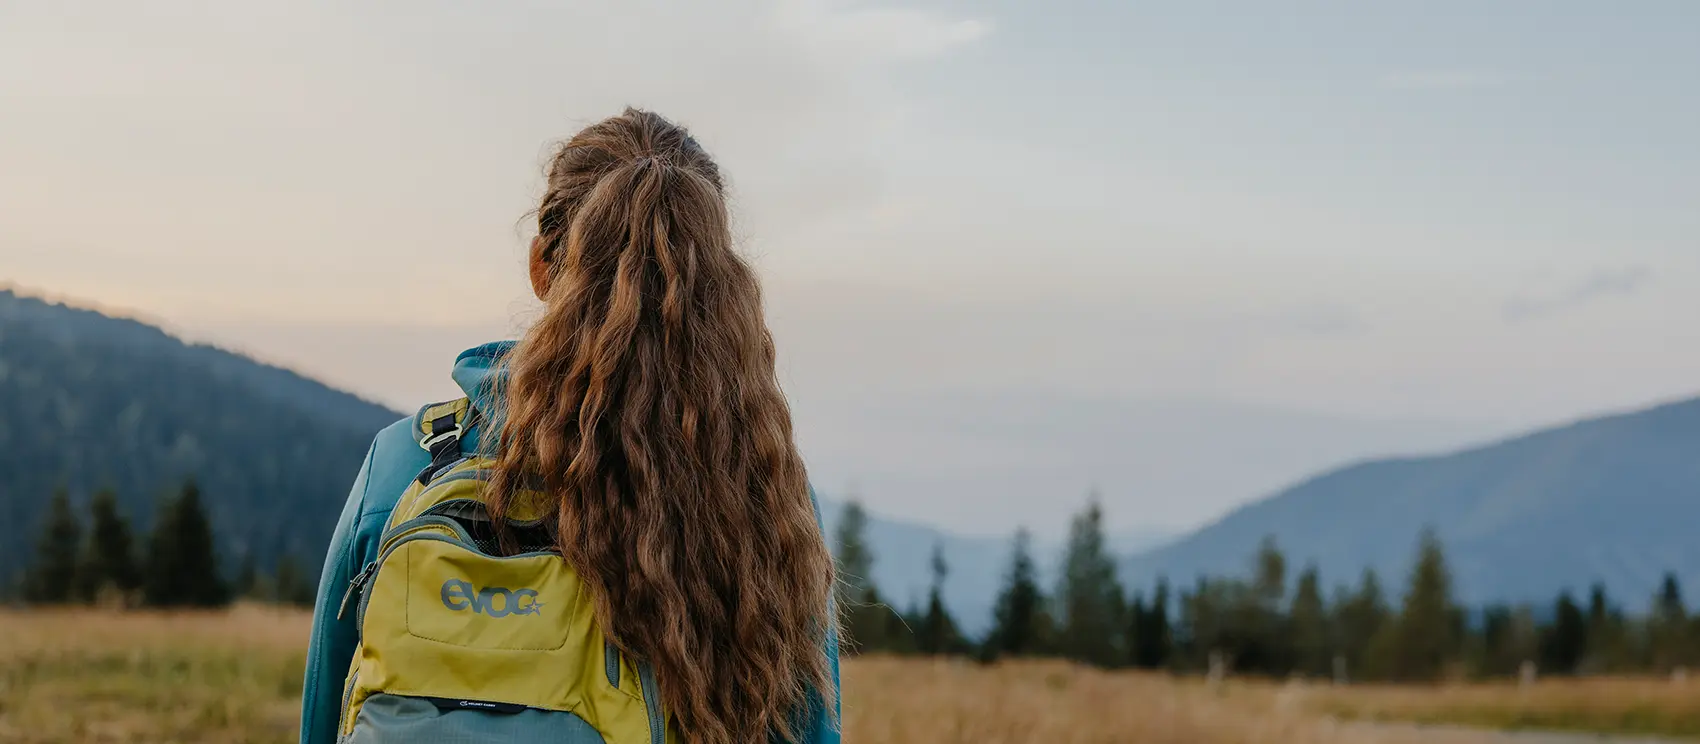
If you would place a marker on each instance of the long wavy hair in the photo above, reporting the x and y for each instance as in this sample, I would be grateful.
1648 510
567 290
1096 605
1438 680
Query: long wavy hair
645 404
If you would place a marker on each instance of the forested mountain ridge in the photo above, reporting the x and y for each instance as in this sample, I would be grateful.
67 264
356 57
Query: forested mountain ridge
89 401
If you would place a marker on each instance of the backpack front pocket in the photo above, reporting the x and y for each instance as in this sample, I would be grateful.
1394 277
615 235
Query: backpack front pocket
459 596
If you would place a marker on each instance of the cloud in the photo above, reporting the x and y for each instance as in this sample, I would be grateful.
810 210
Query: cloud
1601 284
1440 79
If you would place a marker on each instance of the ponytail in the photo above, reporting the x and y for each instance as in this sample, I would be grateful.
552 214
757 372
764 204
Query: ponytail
646 403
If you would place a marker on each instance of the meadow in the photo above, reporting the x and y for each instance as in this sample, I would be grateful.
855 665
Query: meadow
235 676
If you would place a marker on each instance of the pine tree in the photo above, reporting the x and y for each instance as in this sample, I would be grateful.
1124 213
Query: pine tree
1425 639
1312 654
855 560
161 582
1154 642
1493 644
1271 572
1566 640
1016 617
109 559
1669 605
868 624
1260 623
895 630
1599 608
1089 598
182 566
1202 630
1600 616
1668 631
53 577
1604 632
1360 617
1134 636
938 634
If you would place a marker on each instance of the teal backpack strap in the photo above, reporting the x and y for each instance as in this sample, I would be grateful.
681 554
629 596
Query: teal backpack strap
438 429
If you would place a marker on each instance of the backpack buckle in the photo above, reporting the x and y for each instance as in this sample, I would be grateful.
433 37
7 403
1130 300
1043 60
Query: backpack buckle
430 443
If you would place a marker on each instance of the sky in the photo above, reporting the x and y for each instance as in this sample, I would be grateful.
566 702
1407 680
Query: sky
1440 221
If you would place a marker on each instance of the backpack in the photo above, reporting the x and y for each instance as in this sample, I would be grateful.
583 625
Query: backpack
460 643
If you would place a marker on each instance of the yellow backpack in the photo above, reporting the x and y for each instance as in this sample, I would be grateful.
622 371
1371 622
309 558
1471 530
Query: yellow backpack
461 643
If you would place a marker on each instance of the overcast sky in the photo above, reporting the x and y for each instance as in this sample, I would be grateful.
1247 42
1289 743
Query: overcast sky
1456 211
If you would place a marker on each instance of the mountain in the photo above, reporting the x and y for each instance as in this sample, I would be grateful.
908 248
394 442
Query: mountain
90 401
1613 499
903 552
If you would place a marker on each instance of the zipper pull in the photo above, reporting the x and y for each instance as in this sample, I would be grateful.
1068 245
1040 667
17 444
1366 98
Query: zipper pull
356 584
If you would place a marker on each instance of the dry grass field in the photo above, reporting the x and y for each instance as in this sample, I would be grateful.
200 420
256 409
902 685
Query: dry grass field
1647 707
911 702
87 676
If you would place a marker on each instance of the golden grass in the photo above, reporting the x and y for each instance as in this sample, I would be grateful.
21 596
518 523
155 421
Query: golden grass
197 678
92 676
1624 706
914 701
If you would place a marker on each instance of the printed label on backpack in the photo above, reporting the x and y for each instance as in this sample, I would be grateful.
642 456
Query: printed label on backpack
457 704
491 601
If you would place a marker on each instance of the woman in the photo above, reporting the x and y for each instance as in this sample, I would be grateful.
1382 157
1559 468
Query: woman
643 406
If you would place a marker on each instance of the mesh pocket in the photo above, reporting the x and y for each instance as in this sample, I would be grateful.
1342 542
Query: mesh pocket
474 517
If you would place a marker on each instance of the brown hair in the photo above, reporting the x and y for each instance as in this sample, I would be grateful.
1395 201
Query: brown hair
646 404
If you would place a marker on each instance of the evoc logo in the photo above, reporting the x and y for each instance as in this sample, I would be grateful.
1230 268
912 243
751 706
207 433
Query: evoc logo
493 601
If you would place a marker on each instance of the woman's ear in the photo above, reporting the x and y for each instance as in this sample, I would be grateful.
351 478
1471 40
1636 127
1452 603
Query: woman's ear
539 268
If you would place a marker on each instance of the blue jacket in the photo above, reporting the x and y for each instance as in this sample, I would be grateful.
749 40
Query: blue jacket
392 462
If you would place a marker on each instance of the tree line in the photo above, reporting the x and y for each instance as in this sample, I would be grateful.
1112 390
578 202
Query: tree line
1267 622
176 564
1264 623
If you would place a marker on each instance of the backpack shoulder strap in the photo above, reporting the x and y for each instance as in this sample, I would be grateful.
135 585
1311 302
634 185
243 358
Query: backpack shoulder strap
438 428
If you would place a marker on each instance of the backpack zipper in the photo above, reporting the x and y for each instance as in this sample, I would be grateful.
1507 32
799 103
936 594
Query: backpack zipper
358 583
348 697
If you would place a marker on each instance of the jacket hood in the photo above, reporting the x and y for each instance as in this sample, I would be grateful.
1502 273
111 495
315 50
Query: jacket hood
481 375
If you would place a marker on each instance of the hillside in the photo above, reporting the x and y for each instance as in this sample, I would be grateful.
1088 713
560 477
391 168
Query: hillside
1613 499
88 401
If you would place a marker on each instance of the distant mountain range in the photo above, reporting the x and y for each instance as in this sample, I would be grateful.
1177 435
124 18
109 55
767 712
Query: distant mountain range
1613 499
